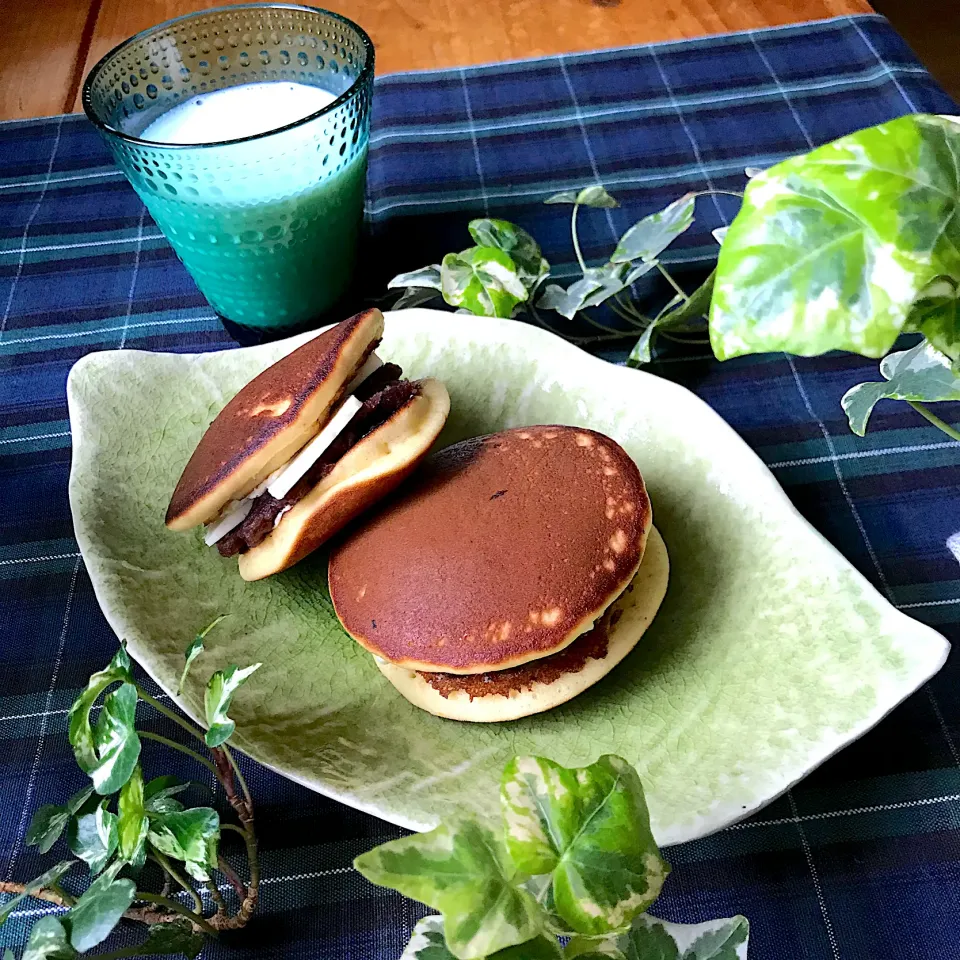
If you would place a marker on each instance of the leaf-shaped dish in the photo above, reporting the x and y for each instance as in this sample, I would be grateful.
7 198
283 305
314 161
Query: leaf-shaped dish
769 654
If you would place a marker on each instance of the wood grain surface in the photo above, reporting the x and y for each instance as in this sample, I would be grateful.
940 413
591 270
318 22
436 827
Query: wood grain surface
45 57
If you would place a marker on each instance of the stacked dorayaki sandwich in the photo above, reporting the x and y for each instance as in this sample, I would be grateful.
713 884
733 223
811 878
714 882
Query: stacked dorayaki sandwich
495 579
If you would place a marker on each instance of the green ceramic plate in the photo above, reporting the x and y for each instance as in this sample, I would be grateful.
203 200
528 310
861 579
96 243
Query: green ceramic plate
769 653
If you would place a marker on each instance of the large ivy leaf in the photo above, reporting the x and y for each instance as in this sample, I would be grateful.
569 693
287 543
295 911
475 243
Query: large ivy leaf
188 835
49 940
195 648
115 740
132 821
651 939
830 249
217 699
589 828
464 872
936 314
483 280
80 731
921 374
176 937
514 241
93 836
593 196
44 880
92 918
648 238
427 943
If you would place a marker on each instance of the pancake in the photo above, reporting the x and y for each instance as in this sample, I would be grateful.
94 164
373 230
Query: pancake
507 549
545 683
270 419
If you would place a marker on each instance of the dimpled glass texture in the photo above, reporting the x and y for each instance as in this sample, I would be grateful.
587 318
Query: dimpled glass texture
268 225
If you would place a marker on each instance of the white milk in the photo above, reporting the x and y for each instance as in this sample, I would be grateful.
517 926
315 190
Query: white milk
237 112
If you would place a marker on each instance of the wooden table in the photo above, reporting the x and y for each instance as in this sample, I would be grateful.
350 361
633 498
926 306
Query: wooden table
47 46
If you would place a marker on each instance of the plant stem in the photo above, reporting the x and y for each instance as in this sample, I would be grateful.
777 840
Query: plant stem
167 712
68 899
673 283
44 893
243 783
228 871
951 432
631 309
160 858
146 735
178 907
234 828
576 239
724 193
217 898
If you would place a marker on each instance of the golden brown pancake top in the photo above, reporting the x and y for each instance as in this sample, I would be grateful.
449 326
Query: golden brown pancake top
502 550
266 406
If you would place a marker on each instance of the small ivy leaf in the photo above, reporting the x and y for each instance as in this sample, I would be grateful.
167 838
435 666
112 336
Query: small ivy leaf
590 829
115 740
647 239
195 649
642 352
175 937
719 233
48 823
752 172
936 314
514 241
691 313
217 699
637 271
596 285
484 280
464 871
553 297
44 880
191 836
414 296
49 941
427 943
132 821
596 196
158 795
80 732
424 277
79 799
655 939
921 374
92 918
564 196
93 836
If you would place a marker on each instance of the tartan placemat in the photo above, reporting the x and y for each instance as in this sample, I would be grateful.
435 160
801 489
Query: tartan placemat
862 860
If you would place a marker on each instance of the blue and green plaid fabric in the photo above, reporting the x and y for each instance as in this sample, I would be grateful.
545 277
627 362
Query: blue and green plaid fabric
861 861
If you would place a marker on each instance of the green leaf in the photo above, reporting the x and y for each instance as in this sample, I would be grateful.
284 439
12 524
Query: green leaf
936 314
484 280
596 285
175 937
651 939
414 296
427 943
79 731
590 829
564 196
462 870
195 649
514 241
189 835
48 941
115 740
158 794
642 351
695 309
93 836
593 196
44 880
217 699
424 277
47 825
830 249
132 821
92 918
921 374
647 239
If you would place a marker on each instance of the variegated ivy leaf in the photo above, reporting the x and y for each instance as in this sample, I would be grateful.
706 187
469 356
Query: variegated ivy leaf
115 740
483 280
217 700
596 285
92 918
92 836
679 314
49 820
647 239
651 939
752 172
921 374
514 241
132 821
188 835
936 314
719 233
462 870
427 943
414 297
592 196
49 940
195 649
589 828
424 277
830 249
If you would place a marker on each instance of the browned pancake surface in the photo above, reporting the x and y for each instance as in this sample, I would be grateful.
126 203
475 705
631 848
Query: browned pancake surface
502 552
266 406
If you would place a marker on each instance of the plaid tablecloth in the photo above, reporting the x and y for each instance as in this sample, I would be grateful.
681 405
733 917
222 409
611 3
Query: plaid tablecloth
862 860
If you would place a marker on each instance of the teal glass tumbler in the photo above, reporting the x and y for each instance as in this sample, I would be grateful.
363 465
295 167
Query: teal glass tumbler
267 225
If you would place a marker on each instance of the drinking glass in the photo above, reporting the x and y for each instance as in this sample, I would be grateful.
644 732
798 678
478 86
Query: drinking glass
267 225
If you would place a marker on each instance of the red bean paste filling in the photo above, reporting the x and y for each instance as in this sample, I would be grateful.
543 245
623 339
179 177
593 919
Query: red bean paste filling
572 659
382 394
